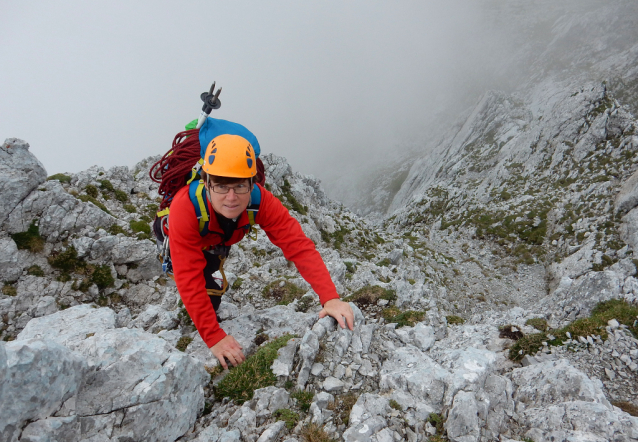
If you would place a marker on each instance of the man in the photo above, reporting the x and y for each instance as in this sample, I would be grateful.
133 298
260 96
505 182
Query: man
228 174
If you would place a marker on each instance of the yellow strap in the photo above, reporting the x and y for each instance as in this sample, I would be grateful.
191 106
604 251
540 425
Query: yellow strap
194 171
214 292
202 205
161 213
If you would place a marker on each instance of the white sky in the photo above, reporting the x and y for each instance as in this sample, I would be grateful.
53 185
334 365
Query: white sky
324 84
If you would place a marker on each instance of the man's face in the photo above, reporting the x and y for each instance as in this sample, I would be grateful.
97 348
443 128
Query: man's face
231 204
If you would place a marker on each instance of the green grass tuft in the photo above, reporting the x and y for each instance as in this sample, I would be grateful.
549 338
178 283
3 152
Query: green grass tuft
66 261
394 404
61 177
288 416
304 399
92 199
121 196
315 433
254 373
283 294
183 343
91 191
35 270
402 318
101 276
370 295
538 323
115 229
106 185
140 226
618 309
9 290
237 284
29 240
454 320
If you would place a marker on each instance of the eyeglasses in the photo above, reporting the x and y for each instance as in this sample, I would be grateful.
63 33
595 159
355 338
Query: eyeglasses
239 189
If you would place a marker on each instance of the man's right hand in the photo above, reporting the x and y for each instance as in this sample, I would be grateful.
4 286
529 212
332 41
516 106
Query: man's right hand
228 348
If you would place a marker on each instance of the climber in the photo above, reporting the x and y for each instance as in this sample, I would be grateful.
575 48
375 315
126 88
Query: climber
228 178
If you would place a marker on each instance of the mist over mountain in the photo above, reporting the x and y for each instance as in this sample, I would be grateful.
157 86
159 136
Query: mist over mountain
566 43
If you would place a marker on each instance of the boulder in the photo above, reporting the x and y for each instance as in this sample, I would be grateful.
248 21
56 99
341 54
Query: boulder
159 389
629 229
39 377
59 213
415 373
71 326
555 401
127 383
627 197
282 366
544 384
10 268
125 250
462 424
20 173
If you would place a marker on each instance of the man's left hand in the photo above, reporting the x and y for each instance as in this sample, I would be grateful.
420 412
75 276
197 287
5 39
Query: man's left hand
339 310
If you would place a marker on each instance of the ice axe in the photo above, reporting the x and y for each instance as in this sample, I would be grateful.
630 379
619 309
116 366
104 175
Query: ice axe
211 101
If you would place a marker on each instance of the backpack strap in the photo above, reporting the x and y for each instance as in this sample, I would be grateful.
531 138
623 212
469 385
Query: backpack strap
252 209
255 201
195 171
197 194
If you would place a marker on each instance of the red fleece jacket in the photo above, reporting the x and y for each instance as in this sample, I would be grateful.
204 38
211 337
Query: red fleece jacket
188 260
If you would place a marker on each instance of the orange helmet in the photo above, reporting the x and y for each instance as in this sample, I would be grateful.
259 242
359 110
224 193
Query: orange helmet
230 156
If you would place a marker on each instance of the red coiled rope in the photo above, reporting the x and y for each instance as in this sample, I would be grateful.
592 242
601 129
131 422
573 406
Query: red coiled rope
173 169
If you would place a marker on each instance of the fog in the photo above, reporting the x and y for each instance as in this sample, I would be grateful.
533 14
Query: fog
330 85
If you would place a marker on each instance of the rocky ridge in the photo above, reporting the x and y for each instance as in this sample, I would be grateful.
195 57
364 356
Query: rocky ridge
408 371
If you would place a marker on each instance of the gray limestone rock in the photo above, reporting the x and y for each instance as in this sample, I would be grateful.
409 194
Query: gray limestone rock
323 326
10 268
415 373
462 424
543 384
125 250
627 197
333 384
227 310
421 336
52 429
308 349
39 376
363 431
322 399
282 366
155 319
160 388
270 399
368 405
20 173
71 326
555 400
59 213
498 391
244 419
629 229
272 432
